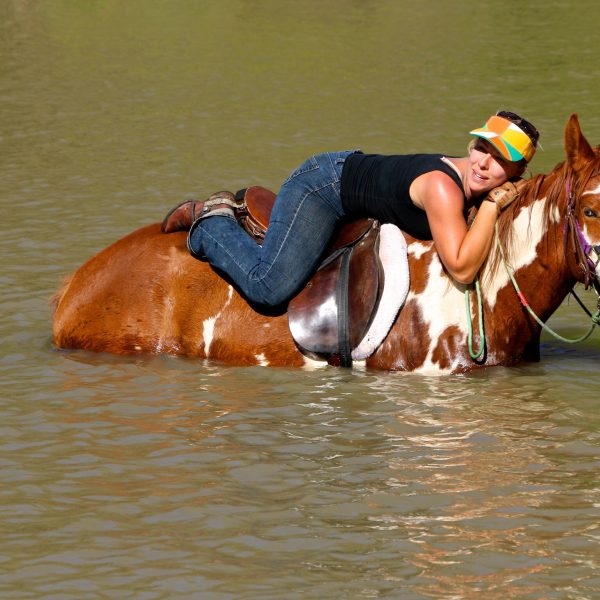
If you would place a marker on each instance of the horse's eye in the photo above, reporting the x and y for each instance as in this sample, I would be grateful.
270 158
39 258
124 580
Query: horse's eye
588 212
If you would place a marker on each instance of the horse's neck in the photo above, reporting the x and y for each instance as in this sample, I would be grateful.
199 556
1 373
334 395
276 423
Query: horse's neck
536 257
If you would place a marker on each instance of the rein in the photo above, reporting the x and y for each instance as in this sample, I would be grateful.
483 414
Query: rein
475 355
585 262
595 317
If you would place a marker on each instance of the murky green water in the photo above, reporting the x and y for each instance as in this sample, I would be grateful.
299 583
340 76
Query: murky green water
163 478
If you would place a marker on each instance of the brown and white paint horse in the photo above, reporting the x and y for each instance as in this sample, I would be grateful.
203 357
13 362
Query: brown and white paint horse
146 294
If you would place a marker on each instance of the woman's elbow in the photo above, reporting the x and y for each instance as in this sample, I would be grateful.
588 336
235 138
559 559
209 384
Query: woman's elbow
462 276
465 279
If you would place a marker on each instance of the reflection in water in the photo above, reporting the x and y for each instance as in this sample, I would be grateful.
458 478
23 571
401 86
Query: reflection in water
484 498
158 478
207 474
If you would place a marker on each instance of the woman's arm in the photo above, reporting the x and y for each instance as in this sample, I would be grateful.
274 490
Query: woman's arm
462 250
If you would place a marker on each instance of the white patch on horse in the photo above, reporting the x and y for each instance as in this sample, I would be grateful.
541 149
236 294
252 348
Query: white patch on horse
439 304
588 237
208 325
442 305
594 191
417 249
261 359
312 364
528 230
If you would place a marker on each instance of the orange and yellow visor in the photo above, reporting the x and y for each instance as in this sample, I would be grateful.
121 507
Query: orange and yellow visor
511 141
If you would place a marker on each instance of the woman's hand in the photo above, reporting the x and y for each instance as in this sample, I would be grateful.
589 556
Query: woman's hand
502 195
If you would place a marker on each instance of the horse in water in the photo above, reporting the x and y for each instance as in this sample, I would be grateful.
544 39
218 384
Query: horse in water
146 294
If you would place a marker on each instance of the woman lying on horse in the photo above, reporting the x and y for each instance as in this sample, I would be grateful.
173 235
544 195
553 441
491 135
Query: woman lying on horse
145 293
427 195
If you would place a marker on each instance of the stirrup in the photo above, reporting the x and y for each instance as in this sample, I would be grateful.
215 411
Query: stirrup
224 201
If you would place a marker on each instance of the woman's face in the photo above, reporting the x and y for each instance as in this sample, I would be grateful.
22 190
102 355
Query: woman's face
488 168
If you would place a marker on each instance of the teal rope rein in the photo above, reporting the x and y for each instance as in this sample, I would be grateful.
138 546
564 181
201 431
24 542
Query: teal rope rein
595 317
475 355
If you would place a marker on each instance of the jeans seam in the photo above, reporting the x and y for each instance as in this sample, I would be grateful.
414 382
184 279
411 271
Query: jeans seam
314 165
287 234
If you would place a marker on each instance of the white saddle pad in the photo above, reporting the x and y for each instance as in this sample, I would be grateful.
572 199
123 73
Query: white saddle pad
393 253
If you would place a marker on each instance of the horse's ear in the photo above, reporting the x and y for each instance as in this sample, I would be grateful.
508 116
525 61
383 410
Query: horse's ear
579 151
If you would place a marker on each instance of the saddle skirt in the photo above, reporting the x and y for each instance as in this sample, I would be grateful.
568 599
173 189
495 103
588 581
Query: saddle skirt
347 308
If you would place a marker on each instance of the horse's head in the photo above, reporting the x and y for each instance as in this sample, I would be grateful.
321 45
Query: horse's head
560 211
582 189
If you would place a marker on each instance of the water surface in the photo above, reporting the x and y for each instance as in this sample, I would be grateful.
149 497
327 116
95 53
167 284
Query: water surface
159 477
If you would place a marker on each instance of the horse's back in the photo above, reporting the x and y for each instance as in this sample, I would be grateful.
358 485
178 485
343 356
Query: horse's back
121 291
146 294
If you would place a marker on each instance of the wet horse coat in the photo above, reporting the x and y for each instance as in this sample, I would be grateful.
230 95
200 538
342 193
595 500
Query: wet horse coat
146 294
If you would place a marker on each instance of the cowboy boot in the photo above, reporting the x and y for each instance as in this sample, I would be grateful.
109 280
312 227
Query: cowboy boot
182 216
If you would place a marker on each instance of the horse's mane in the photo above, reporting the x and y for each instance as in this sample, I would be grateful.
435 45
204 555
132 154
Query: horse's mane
554 187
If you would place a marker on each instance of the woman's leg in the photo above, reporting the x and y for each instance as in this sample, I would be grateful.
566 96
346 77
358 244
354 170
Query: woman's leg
306 212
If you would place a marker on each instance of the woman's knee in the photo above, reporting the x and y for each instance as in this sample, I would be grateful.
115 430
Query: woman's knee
264 291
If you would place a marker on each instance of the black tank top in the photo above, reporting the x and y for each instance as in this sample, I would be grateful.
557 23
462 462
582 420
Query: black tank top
377 186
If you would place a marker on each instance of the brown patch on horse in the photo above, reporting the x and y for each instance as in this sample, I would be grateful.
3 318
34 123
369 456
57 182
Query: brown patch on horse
419 271
263 340
146 294
509 349
447 346
407 346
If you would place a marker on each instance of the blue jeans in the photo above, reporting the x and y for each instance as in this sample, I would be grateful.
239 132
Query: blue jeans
306 212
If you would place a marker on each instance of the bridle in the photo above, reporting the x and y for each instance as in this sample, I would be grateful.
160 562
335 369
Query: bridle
585 262
590 279
582 248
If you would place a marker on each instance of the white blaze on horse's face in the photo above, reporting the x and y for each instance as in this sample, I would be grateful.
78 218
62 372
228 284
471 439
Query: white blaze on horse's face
589 215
